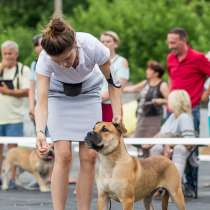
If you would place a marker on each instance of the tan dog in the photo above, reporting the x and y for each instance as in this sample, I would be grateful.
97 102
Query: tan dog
125 178
29 160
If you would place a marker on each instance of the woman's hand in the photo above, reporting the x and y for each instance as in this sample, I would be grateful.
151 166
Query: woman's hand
41 143
114 94
117 119
4 90
3 64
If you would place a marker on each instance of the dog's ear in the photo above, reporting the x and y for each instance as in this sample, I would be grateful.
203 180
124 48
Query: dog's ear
120 127
96 124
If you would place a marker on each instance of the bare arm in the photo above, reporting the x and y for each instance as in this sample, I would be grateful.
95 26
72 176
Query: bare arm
115 94
105 94
41 109
15 93
206 94
124 81
164 89
134 88
165 92
41 112
31 98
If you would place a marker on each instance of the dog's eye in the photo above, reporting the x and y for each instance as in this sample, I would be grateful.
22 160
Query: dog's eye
104 129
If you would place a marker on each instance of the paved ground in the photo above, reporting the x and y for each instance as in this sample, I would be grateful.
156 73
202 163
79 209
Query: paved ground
33 200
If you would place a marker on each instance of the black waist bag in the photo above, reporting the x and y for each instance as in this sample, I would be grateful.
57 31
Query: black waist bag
72 89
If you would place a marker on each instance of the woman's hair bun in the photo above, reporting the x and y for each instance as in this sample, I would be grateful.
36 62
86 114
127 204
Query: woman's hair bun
57 37
57 26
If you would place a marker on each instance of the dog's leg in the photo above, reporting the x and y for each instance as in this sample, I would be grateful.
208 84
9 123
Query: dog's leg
165 200
128 204
178 198
102 201
42 183
6 174
148 203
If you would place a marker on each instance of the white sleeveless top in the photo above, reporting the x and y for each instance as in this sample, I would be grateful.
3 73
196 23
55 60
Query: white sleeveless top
91 52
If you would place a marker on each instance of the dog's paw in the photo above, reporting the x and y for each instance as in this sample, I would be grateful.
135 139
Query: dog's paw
44 189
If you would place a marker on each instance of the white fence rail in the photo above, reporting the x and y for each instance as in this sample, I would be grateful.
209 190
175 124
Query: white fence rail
30 142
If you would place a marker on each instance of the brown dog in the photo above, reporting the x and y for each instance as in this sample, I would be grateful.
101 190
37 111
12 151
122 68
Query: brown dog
29 160
125 178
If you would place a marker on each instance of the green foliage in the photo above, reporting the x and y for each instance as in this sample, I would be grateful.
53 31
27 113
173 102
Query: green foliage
143 26
25 13
20 20
29 13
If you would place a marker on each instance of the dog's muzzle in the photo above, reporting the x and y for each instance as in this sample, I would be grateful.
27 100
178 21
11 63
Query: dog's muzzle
94 141
49 156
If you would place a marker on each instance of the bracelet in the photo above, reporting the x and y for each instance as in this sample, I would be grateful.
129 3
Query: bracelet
40 131
113 83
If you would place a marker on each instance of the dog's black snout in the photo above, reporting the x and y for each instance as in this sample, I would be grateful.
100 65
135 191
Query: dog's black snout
89 134
93 140
51 153
92 136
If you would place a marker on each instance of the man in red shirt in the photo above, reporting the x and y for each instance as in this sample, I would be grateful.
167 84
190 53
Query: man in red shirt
187 69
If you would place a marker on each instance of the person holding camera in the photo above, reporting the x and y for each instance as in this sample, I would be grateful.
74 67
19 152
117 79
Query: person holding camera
13 89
